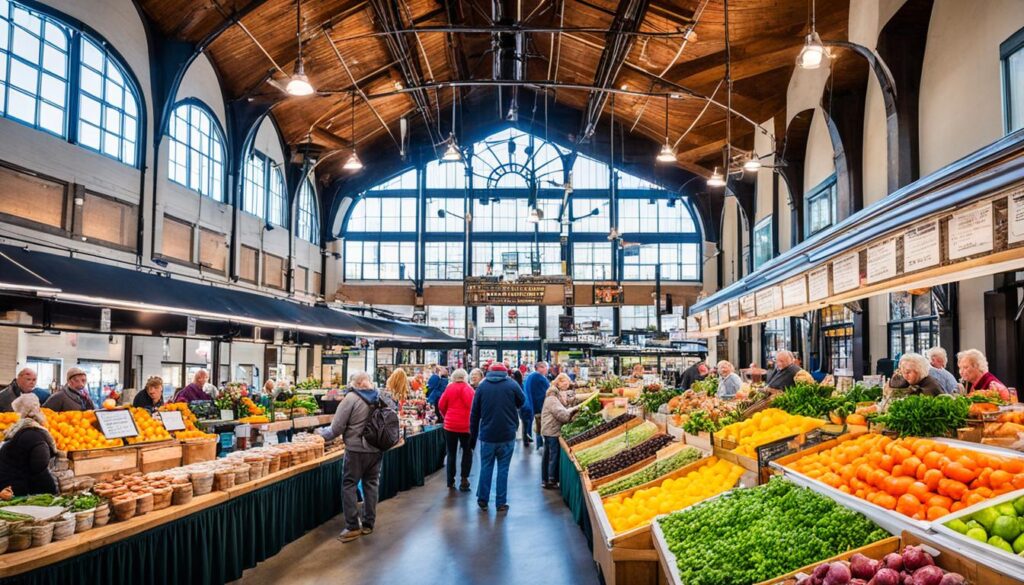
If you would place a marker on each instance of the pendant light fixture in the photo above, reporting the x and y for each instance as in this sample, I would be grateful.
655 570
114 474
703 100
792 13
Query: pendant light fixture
813 53
716 179
353 163
452 153
299 84
753 163
667 155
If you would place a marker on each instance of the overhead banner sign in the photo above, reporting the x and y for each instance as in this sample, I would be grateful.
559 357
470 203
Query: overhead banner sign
499 292
607 294
817 284
921 247
970 232
747 306
881 263
734 309
794 292
846 273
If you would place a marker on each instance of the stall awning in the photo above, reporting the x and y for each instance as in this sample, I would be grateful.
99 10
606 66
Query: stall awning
74 280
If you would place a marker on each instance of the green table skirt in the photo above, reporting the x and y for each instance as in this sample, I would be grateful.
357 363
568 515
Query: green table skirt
573 495
215 545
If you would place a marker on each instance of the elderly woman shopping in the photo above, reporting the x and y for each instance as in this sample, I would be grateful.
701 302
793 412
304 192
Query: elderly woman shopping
26 451
913 377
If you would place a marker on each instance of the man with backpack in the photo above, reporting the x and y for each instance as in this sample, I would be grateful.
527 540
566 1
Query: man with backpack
368 424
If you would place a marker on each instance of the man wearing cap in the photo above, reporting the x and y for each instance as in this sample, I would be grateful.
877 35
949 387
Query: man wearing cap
494 418
71 396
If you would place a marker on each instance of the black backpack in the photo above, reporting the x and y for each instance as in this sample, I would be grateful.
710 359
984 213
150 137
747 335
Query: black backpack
382 428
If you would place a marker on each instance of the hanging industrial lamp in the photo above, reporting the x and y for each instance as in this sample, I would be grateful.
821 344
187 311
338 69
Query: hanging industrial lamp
452 153
353 163
667 155
813 53
716 179
299 84
753 163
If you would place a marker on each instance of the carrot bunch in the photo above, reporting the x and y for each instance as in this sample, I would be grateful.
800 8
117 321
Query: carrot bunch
920 478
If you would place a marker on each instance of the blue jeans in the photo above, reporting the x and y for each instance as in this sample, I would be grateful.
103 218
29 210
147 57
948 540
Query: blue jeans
526 418
549 467
488 453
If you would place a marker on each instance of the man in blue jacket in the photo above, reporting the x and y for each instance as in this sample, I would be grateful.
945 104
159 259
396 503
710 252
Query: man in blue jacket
493 420
435 388
535 386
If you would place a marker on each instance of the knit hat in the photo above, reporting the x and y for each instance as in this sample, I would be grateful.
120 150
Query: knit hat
497 367
72 372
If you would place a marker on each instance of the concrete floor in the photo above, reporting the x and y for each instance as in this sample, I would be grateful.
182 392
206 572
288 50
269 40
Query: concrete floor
436 535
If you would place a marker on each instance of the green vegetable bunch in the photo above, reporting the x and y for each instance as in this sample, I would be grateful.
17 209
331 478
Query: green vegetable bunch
700 421
610 383
309 384
925 416
806 399
751 535
651 401
583 422
708 386
616 444
650 472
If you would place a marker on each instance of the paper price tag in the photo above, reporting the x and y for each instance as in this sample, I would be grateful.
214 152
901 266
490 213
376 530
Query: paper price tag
117 424
172 421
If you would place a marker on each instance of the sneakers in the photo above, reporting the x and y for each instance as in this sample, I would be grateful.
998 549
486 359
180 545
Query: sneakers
503 508
348 535
464 485
367 530
482 504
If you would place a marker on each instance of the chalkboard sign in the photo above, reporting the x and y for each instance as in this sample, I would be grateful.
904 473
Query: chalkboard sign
117 424
778 449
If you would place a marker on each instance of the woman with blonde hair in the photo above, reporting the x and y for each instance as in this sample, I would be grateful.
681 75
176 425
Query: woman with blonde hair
398 385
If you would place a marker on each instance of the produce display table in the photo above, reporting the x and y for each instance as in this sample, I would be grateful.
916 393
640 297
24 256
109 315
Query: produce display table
215 537
571 487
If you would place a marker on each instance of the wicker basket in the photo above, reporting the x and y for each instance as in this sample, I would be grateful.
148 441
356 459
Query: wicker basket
224 479
64 527
42 534
102 515
84 520
181 494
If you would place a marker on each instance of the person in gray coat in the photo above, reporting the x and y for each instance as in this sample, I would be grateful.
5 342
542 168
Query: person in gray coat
71 396
362 461
25 383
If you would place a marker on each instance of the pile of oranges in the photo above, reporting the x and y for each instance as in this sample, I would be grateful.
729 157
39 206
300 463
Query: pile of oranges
150 429
193 434
919 478
6 420
76 430
714 477
769 425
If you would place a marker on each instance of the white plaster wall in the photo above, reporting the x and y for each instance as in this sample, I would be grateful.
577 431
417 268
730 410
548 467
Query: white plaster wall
876 147
70 347
805 90
730 253
710 267
961 86
819 163
784 223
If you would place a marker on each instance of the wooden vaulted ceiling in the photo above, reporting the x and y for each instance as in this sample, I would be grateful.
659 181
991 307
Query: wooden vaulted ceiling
765 35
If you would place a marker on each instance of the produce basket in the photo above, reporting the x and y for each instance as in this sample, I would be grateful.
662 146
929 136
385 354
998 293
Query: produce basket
875 550
986 553
198 450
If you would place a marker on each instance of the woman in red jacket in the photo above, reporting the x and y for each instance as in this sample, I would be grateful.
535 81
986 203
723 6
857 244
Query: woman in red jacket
455 405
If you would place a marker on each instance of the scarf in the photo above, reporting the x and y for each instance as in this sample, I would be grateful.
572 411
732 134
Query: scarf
28 423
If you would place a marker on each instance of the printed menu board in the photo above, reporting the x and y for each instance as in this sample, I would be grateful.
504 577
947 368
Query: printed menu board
970 232
1015 216
817 284
723 313
747 306
712 317
881 261
734 309
846 273
921 247
765 299
794 292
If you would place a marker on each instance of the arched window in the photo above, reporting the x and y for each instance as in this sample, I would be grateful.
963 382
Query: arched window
108 116
263 192
308 224
196 158
36 85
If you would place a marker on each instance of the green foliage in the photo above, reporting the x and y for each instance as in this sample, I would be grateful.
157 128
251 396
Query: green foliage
700 420
583 422
925 416
309 384
651 401
815 400
751 535
650 472
616 444
707 386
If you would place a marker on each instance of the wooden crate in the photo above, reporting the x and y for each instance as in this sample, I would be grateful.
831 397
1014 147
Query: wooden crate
702 441
592 484
104 463
630 561
197 451
875 550
604 437
951 559
159 456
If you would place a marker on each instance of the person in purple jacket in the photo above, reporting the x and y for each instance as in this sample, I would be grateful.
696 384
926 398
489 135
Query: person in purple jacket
194 391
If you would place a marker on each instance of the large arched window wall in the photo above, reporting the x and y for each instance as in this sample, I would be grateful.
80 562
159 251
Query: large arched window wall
58 78
508 175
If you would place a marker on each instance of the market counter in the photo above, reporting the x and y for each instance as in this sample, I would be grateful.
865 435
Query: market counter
571 487
215 537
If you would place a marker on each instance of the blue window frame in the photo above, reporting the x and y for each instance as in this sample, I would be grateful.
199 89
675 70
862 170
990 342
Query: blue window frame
491 257
762 242
37 84
108 116
600 223
679 261
383 214
1011 53
443 261
592 260
196 151
655 215
371 260
263 189
308 225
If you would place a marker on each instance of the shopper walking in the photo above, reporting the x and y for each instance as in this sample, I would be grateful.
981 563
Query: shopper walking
398 385
362 460
71 396
25 383
435 387
535 387
526 412
455 405
493 421
554 414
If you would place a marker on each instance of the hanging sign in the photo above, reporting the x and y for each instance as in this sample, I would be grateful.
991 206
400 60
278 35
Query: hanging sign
970 232
747 306
817 284
794 292
1015 216
765 300
105 320
190 327
777 297
846 273
921 247
480 291
734 309
881 262
117 424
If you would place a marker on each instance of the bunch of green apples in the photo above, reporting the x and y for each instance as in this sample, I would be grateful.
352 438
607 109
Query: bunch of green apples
1001 526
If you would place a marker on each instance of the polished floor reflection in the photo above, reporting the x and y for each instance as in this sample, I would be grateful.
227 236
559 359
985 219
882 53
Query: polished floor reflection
435 535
